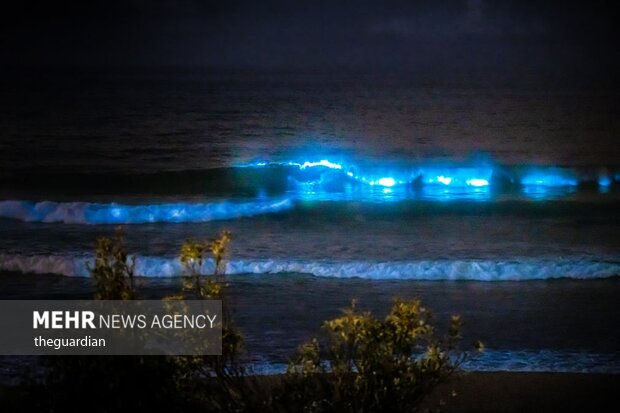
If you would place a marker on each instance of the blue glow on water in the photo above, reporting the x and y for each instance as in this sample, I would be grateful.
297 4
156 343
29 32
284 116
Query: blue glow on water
456 176
477 182
604 181
99 213
453 193
322 162
542 193
548 183
386 182
548 179
474 180
446 180
301 165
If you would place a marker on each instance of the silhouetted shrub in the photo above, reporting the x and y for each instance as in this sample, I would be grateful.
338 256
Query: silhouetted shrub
217 381
109 383
364 364
113 270
373 365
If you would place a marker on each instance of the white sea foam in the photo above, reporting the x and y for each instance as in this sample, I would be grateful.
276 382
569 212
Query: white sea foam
480 270
113 213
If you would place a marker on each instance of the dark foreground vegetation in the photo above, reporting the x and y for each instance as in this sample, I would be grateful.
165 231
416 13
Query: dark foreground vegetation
361 363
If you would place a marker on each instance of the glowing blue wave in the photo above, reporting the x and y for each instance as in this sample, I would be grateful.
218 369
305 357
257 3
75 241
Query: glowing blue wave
324 163
549 177
97 213
479 270
456 176
431 181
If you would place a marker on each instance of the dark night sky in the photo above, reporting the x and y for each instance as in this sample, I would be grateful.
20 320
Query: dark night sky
477 37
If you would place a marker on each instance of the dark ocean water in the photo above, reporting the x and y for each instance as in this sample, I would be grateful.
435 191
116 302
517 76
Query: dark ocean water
501 204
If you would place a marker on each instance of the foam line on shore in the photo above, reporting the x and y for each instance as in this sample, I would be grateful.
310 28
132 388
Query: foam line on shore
474 270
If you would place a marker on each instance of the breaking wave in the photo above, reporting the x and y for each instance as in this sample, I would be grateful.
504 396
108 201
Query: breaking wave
321 178
478 270
113 213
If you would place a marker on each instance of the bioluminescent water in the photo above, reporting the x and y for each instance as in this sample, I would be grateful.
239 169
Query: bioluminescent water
501 205
324 179
114 213
423 270
390 222
272 187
